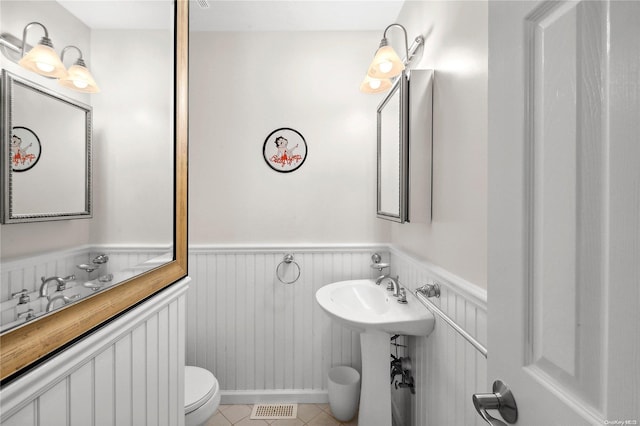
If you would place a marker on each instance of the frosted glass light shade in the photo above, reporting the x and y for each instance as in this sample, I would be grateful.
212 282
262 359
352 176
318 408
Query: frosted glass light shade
80 79
386 64
42 59
374 85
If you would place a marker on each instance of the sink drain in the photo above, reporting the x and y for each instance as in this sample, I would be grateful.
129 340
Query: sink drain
274 411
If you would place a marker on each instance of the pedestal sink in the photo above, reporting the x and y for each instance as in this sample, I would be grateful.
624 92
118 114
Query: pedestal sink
371 310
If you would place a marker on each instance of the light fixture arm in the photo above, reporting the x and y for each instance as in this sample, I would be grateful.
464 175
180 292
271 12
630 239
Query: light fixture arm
12 43
406 42
80 60
45 40
419 41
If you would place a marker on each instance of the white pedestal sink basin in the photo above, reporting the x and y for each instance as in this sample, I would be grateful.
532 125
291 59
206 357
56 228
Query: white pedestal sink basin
372 310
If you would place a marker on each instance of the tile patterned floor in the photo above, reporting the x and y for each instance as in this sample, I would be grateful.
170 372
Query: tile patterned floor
308 414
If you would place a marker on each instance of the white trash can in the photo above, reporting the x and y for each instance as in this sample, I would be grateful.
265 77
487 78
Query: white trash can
344 392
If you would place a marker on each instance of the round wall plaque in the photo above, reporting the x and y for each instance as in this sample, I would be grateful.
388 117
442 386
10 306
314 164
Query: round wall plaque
284 150
25 149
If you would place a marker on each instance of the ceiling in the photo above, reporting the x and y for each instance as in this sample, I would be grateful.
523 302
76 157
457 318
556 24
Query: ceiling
241 15
293 15
122 14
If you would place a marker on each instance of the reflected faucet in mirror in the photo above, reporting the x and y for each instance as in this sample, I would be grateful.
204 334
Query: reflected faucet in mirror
61 284
65 300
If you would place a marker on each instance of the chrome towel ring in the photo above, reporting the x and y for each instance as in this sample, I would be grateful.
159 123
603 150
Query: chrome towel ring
288 259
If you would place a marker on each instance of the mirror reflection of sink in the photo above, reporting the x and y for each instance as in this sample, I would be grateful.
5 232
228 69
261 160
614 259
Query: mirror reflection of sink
364 306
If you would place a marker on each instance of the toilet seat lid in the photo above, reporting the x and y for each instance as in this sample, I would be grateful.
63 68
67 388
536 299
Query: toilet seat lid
199 386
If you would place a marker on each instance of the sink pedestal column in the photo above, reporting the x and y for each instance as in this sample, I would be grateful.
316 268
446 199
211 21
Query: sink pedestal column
375 393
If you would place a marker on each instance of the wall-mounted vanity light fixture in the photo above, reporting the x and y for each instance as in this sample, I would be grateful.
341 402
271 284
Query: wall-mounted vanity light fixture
386 63
43 60
78 76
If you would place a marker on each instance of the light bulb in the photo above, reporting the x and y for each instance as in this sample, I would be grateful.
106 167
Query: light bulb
79 78
374 84
385 66
80 84
44 67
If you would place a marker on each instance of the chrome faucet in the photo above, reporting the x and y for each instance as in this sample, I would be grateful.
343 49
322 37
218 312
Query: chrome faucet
62 284
62 297
380 278
393 285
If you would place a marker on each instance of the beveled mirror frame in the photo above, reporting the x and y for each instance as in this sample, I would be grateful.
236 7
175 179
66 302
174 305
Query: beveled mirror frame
7 213
25 346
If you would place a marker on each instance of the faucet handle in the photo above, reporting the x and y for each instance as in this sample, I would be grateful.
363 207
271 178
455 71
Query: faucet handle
24 296
62 284
402 296
28 314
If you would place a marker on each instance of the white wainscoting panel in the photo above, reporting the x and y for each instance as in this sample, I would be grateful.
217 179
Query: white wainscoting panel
130 372
267 341
447 369
262 339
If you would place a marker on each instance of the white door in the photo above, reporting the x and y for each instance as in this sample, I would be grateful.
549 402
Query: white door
564 210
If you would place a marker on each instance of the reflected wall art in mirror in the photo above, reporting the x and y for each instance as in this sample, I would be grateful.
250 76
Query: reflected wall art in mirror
63 276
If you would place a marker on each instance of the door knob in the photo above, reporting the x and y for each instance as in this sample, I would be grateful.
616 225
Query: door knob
501 399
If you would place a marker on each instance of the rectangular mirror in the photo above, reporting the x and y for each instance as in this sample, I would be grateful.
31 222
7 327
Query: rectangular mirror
139 175
46 154
393 153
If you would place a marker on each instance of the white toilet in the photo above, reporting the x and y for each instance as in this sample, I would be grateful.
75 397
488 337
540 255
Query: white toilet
201 395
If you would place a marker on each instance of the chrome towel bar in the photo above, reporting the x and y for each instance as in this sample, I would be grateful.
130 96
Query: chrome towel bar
421 294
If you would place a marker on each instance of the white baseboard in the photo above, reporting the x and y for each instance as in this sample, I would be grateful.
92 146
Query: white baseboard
299 396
